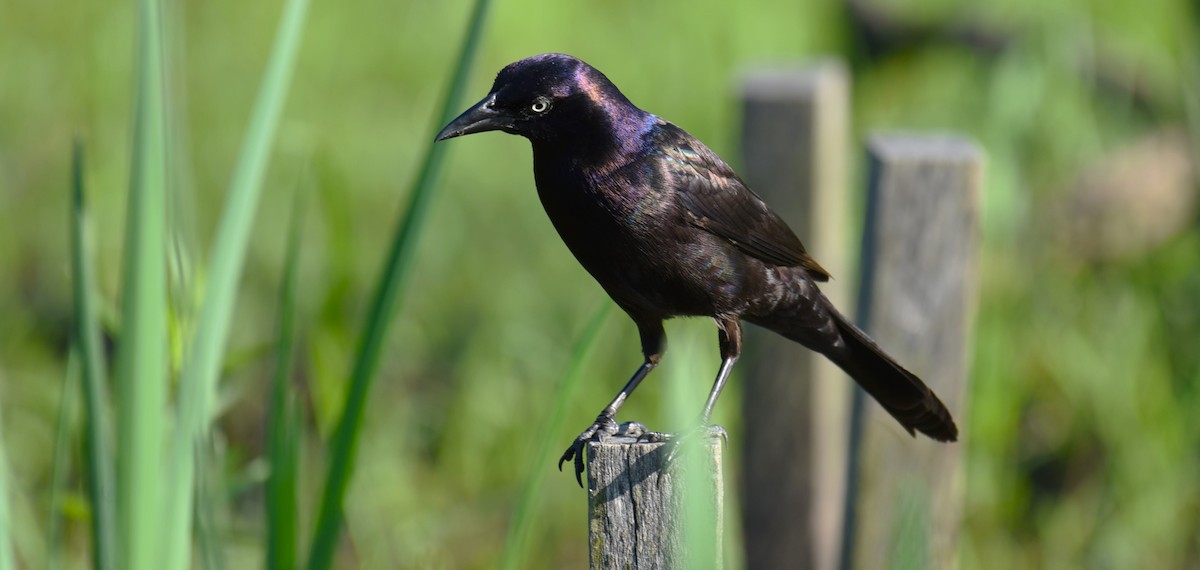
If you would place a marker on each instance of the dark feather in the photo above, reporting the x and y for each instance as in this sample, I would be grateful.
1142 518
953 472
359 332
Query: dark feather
719 202
668 229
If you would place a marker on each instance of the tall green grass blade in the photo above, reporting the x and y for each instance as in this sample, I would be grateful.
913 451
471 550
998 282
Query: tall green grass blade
208 538
183 282
384 303
283 431
516 544
141 357
7 559
698 517
203 361
62 457
911 528
97 430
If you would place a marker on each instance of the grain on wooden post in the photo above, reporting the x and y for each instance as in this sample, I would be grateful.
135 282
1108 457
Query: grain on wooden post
795 133
638 517
920 258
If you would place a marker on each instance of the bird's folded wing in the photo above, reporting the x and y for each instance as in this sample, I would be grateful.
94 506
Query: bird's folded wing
717 201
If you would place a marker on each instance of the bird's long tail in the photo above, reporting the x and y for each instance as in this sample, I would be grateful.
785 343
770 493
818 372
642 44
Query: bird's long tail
899 391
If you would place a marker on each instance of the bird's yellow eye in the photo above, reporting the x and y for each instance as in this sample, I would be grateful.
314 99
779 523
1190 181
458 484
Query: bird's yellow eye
540 106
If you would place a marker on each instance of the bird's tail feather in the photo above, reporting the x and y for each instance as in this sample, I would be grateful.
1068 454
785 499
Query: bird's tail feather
899 391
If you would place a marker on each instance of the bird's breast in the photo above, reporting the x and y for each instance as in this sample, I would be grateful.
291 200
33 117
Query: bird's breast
630 235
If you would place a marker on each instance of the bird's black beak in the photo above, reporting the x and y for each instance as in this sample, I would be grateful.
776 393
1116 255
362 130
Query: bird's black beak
482 117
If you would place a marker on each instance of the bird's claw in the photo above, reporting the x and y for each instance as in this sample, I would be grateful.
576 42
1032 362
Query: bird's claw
639 432
603 426
675 442
643 434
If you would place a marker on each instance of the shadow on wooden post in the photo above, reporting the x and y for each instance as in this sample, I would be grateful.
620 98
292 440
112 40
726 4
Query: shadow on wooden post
643 517
795 137
919 283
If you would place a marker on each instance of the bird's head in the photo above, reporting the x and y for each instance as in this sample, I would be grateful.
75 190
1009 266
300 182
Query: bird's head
545 98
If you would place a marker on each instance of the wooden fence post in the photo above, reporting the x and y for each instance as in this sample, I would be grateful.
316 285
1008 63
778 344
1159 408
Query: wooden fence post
919 283
795 137
643 517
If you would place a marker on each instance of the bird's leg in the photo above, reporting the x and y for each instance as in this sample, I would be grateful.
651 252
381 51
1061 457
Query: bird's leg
605 423
730 339
653 345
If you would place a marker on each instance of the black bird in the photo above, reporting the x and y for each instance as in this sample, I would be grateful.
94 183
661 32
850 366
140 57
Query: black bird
668 230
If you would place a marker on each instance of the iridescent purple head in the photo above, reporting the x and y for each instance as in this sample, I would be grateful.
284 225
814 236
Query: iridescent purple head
549 98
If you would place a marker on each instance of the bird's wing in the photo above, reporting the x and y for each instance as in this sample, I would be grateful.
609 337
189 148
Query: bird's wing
717 201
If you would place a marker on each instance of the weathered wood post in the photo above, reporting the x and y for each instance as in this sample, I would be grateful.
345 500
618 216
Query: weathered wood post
642 516
795 138
919 282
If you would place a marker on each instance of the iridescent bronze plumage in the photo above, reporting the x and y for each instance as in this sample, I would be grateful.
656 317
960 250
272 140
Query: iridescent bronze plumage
668 229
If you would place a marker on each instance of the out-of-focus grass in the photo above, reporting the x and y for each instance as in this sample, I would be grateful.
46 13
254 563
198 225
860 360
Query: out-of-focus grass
682 408
92 378
7 559
202 362
283 432
523 520
62 444
1081 407
141 370
388 295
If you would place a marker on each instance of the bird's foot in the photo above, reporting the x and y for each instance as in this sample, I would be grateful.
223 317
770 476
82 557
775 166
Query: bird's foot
642 433
676 442
602 427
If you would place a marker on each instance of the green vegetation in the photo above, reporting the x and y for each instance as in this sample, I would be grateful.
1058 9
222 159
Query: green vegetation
141 369
1081 426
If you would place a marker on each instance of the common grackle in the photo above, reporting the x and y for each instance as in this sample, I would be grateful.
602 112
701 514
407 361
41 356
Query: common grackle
668 229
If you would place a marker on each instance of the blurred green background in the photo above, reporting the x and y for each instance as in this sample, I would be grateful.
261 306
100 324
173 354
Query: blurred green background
1083 445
